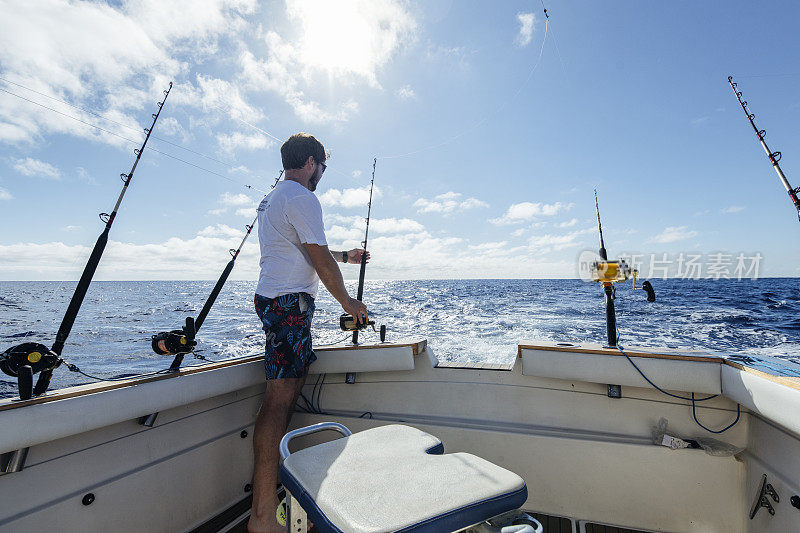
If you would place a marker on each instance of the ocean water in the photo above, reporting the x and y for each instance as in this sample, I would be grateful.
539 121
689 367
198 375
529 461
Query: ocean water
463 320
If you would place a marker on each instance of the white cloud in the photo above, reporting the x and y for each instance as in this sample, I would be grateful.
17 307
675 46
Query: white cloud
546 243
525 211
220 230
674 234
241 168
237 140
174 258
405 93
35 167
356 173
732 210
449 57
446 203
567 224
113 59
488 246
83 175
526 21
357 197
71 228
398 255
171 126
376 225
228 201
5 195
345 41
215 94
248 212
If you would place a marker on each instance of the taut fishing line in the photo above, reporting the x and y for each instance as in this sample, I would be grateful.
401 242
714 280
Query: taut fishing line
132 141
128 126
24 360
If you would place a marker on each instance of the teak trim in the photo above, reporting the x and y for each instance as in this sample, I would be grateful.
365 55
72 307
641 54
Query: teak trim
417 346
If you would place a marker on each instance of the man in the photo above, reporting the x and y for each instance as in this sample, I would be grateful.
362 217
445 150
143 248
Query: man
294 257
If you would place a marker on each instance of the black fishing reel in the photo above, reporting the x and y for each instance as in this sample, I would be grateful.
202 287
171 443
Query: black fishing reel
172 342
25 360
348 323
177 342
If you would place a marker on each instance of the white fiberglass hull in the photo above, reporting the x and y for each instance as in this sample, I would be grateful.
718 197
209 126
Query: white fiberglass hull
547 417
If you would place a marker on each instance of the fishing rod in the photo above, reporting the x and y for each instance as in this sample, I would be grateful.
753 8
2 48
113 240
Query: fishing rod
26 359
180 342
609 272
347 322
774 157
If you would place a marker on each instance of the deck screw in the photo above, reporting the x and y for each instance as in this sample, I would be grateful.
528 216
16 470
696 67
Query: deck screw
795 501
243 434
248 487
88 499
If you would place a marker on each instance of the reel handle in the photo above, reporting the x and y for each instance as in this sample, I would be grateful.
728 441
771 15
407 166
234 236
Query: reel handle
25 382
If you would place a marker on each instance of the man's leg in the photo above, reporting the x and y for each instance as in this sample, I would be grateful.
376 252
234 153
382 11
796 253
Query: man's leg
271 423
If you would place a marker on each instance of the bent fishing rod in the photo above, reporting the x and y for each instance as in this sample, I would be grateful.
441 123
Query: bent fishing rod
26 359
773 157
346 322
180 342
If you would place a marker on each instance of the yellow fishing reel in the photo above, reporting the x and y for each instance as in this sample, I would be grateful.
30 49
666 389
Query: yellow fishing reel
612 271
619 271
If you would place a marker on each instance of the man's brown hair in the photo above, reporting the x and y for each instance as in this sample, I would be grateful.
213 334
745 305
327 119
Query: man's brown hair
298 148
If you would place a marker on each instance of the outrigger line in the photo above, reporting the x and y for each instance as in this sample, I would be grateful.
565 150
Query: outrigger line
180 342
346 322
26 359
774 157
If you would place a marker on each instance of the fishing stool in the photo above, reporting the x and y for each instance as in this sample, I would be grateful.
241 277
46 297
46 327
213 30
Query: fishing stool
397 478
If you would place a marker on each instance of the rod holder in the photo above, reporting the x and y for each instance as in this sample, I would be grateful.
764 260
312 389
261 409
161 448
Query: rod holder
148 421
14 461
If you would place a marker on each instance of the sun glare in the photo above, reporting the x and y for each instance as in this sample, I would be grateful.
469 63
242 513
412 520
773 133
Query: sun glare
337 36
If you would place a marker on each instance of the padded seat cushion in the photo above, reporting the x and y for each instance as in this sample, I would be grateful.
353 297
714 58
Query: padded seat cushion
394 478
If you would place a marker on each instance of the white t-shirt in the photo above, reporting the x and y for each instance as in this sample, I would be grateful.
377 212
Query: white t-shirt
289 216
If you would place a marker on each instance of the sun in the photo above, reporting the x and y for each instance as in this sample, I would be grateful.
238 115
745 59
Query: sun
338 36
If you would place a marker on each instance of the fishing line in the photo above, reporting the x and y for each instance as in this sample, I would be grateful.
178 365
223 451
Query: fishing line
243 121
487 117
265 132
770 76
335 342
132 128
74 368
132 141
24 360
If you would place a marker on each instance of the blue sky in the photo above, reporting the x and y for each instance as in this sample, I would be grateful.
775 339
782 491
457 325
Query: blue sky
497 160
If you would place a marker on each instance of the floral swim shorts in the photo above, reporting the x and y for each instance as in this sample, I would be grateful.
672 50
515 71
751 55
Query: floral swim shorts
286 320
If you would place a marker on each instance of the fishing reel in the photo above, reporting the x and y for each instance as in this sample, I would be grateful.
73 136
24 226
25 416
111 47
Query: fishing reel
618 271
348 323
172 342
25 360
611 271
177 342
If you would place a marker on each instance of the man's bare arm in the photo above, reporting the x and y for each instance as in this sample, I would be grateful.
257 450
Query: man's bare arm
350 256
330 275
